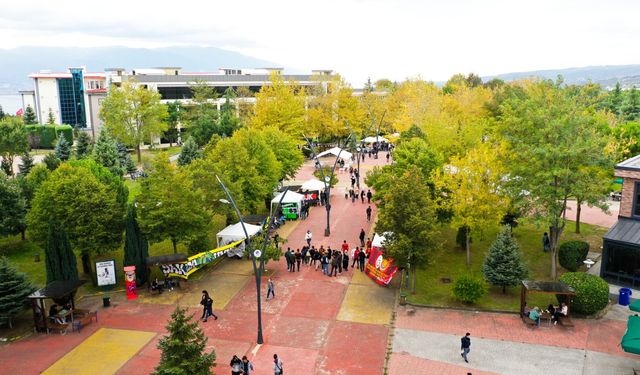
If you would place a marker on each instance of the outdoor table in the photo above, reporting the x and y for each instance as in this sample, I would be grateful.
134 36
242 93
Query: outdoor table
65 313
547 316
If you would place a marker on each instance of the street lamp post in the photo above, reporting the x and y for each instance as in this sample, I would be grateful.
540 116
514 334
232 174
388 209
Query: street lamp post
257 271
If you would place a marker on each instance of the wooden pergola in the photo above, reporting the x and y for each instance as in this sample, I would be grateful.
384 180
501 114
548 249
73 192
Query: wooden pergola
59 292
545 287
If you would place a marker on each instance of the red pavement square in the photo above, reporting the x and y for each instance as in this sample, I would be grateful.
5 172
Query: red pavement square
296 361
145 361
237 325
402 363
297 332
316 299
354 348
245 300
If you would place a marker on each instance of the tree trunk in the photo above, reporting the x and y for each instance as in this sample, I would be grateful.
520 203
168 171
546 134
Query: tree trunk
139 153
23 235
578 210
504 289
413 280
175 246
554 235
468 245
86 263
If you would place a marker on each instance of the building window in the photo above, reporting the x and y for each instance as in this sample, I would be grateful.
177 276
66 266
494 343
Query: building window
95 85
71 95
636 200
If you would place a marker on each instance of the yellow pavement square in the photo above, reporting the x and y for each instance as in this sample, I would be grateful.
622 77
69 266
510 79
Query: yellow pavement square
222 287
371 304
168 297
104 352
361 278
231 265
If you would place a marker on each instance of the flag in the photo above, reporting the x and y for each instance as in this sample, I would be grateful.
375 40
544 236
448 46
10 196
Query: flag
20 112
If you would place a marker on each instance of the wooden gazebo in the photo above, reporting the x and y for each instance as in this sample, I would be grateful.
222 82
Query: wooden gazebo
545 287
60 292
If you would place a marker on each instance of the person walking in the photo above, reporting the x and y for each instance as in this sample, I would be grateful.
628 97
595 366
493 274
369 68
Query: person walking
207 304
362 236
369 195
369 214
271 289
345 260
324 262
334 265
277 365
339 260
368 246
276 240
287 257
236 365
362 194
466 346
308 237
361 257
356 194
546 242
247 366
355 255
353 181
388 155
298 258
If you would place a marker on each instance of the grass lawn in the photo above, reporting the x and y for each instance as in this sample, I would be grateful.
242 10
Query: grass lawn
148 155
134 188
450 262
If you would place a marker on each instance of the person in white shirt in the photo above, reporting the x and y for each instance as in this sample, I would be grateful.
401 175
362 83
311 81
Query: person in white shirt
308 237
563 311
277 365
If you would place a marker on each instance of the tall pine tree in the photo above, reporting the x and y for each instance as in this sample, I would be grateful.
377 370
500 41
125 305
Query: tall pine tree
14 289
26 164
503 265
105 152
51 118
189 152
1 113
29 116
63 148
183 349
83 146
60 261
136 246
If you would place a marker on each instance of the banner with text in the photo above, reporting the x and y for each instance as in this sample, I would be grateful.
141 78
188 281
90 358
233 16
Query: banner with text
195 262
379 268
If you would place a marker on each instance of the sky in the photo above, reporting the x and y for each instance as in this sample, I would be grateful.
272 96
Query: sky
357 38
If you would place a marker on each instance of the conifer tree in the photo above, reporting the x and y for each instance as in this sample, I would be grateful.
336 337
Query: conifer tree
189 152
29 116
183 349
26 164
5 165
51 161
51 119
503 265
63 148
83 145
105 152
14 289
136 246
1 113
60 261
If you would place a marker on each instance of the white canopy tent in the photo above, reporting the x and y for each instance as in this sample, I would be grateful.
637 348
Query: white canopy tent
312 185
336 151
378 240
234 233
290 197
375 139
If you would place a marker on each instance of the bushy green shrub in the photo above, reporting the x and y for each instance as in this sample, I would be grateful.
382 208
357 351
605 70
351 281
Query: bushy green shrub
48 134
592 293
469 289
571 254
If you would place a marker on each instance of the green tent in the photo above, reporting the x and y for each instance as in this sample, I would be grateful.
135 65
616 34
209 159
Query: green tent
635 306
631 339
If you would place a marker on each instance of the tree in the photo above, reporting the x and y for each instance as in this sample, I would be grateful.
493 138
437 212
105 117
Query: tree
14 289
189 152
503 265
29 117
6 167
134 114
170 208
26 164
228 121
136 246
407 216
183 348
285 149
1 113
60 262
83 145
87 201
203 116
51 118
63 148
51 161
13 140
174 110
12 207
280 104
31 182
124 158
630 108
551 139
105 153
474 191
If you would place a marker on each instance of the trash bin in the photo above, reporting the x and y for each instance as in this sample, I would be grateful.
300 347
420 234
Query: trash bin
623 298
106 301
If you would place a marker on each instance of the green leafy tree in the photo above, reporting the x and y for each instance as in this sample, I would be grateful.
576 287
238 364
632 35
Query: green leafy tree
14 289
59 260
613 101
105 153
285 149
134 115
13 140
407 217
124 159
83 146
203 116
228 121
51 118
280 104
2 114
136 246
51 161
630 108
63 148
29 116
174 115
189 152
12 207
31 182
184 348
169 206
6 167
503 265
87 201
26 164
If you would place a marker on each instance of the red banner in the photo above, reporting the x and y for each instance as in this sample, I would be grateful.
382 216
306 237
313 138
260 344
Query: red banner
379 268
130 282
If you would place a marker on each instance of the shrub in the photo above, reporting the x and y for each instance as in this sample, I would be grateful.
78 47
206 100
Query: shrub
571 254
592 293
469 289
47 135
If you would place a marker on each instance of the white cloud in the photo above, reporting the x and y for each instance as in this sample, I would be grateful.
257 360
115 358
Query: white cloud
358 38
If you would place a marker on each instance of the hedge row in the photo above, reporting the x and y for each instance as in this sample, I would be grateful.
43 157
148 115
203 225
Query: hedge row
45 136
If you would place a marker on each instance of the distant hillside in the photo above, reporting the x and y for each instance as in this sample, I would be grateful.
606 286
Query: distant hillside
16 64
606 76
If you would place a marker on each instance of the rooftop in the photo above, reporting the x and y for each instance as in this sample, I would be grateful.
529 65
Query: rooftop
630 164
214 78
625 230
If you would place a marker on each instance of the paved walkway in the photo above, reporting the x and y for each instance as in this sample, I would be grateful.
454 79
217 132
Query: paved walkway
594 215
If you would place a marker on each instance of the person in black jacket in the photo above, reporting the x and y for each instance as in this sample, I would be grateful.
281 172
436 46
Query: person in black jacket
466 346
345 260
207 303
361 257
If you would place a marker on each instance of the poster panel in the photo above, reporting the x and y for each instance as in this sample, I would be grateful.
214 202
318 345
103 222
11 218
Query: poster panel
379 268
106 272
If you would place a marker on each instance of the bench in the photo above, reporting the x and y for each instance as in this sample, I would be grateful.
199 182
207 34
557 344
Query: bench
528 321
565 321
61 327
